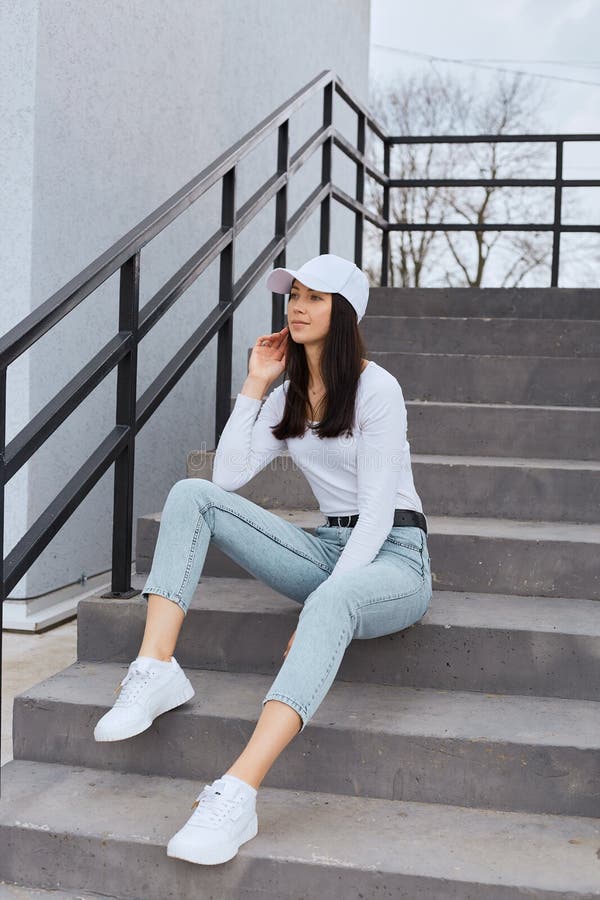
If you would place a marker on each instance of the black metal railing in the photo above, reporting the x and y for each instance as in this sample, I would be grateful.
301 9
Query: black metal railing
558 183
134 323
121 350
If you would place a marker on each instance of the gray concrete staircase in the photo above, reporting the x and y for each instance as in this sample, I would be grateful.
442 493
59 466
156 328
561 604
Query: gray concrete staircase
458 758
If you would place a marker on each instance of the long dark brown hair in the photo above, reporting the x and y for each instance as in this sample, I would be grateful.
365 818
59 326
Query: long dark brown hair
341 364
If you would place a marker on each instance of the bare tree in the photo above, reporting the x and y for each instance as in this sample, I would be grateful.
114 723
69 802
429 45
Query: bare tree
432 104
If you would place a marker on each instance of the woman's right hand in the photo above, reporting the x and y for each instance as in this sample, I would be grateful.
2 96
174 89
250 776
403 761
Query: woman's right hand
267 360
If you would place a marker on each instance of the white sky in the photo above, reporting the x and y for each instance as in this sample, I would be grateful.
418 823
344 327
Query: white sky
512 34
567 30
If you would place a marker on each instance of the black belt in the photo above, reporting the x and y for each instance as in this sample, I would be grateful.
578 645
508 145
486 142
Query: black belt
401 517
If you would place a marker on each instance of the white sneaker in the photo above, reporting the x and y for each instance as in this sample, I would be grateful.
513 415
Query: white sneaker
224 818
146 691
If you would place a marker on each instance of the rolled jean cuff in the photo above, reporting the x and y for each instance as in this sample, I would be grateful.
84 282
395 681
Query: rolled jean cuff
275 695
162 593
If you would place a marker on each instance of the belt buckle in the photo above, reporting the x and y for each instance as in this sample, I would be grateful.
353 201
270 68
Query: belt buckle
345 517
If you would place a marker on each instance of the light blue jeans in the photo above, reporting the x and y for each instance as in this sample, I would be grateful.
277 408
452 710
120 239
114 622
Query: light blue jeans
389 594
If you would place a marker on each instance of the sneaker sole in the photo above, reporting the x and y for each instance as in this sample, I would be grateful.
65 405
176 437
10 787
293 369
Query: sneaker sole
122 734
215 855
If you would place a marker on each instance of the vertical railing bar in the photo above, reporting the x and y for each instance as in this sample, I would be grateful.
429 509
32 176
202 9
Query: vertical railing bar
2 502
324 238
122 537
360 191
385 236
226 287
281 211
557 213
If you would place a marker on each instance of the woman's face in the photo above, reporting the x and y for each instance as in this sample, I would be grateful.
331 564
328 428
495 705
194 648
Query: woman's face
311 307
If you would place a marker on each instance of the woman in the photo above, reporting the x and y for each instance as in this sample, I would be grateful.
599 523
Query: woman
364 573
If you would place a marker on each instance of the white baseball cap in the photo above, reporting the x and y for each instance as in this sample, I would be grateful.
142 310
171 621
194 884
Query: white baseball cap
329 273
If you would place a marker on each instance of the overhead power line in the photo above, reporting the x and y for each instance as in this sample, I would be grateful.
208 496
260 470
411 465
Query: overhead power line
463 62
573 63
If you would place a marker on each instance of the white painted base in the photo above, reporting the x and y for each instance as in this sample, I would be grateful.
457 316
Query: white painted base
54 608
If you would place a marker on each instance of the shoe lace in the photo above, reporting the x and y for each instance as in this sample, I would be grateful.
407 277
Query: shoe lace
212 807
134 681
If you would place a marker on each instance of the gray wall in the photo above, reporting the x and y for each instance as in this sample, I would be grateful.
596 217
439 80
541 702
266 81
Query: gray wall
111 107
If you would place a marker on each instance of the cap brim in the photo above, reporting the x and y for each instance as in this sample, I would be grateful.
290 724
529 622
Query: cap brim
280 282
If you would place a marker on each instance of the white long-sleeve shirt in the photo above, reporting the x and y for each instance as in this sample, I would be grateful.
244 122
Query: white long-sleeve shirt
369 473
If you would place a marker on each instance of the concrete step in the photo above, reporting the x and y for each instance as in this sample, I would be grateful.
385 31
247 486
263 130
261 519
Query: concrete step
468 642
485 335
524 557
552 490
528 303
12 891
324 844
514 557
502 379
540 380
496 429
494 751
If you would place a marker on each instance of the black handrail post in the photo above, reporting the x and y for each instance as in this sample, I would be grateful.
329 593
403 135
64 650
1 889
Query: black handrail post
326 169
360 191
385 235
557 213
225 335
2 493
281 207
122 542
